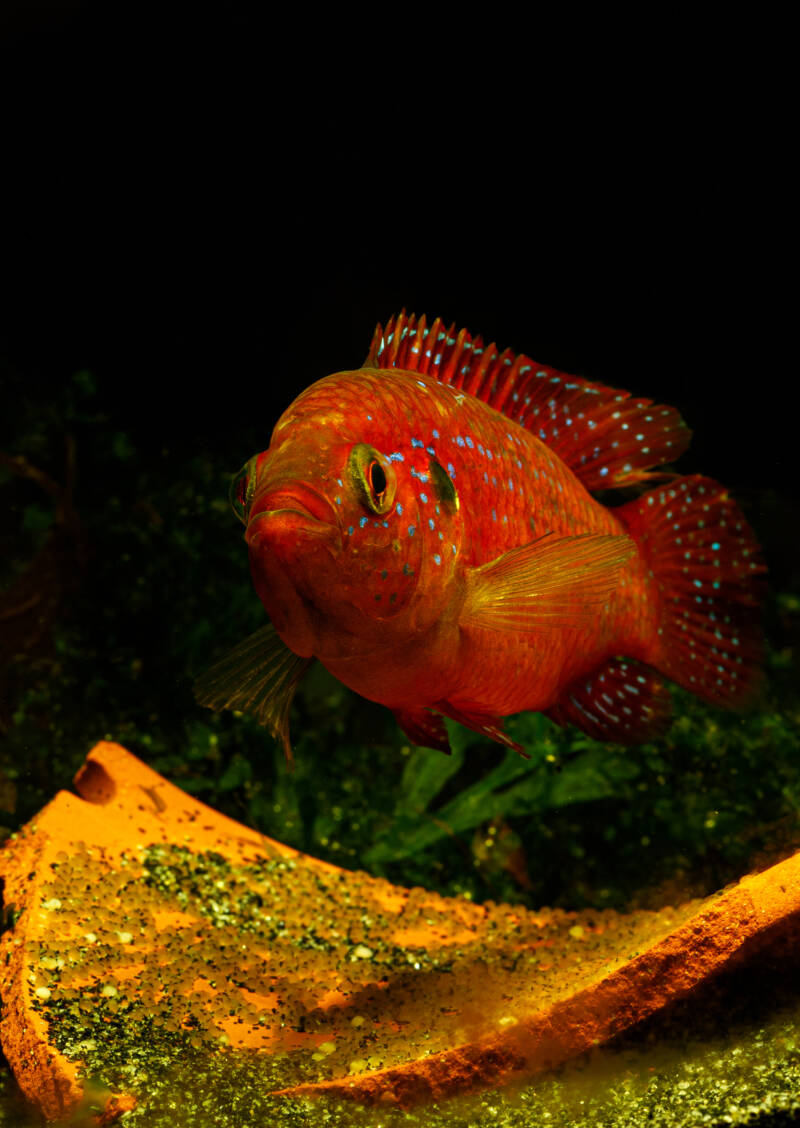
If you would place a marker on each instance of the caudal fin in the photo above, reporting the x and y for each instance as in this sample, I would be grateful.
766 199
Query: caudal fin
706 563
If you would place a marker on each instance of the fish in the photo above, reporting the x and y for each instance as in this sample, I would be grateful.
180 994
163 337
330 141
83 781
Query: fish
438 529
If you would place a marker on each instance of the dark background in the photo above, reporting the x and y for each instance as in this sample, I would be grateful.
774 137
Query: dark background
210 212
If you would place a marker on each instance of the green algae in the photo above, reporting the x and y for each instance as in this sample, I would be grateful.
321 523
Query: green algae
748 1078
728 1054
729 1080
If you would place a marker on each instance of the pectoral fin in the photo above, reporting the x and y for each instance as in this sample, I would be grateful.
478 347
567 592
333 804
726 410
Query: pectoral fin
551 582
260 677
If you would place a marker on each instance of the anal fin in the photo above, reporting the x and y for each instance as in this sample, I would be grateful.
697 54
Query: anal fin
621 700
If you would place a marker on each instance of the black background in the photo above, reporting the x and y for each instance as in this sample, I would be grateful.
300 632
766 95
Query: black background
210 211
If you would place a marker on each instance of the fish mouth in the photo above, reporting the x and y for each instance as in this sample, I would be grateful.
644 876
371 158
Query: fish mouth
296 504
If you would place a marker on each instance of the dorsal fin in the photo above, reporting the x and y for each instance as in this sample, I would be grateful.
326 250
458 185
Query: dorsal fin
605 437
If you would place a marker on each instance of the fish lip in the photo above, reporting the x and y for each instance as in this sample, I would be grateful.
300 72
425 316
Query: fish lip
296 498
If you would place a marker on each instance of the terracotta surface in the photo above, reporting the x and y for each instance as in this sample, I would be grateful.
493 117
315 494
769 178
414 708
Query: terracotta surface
136 906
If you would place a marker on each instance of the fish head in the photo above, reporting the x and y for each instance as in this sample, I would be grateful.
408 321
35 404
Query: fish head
353 532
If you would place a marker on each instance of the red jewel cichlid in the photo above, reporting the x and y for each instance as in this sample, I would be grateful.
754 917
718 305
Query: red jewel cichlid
424 526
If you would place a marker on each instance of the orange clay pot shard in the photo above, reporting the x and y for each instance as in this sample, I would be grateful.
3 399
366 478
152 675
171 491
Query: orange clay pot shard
135 909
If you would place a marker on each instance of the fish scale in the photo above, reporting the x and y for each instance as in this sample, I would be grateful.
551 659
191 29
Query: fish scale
425 527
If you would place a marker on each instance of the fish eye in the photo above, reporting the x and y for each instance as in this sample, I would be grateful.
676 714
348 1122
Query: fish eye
241 491
374 478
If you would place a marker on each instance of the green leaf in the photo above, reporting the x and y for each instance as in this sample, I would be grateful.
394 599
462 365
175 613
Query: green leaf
237 772
36 519
593 775
413 831
122 446
425 774
490 797
85 382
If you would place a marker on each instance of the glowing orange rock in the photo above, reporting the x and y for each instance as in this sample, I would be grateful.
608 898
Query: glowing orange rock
139 912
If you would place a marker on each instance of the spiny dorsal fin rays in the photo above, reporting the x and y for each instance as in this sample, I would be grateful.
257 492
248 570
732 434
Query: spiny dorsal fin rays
551 582
605 437
259 676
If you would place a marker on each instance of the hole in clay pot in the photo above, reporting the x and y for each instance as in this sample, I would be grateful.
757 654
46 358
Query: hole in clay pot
94 784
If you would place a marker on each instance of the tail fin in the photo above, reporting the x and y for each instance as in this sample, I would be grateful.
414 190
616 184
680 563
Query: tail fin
706 563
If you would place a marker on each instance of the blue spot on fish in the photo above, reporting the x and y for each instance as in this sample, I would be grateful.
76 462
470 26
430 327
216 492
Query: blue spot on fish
459 440
423 497
396 457
417 443
470 443
399 508
437 558
362 522
411 530
435 433
430 523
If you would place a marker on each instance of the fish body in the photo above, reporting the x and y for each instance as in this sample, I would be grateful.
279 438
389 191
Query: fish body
425 527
